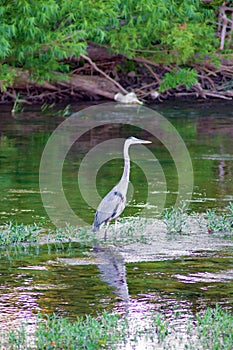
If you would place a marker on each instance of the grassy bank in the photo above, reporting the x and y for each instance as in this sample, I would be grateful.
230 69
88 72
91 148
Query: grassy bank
130 230
210 329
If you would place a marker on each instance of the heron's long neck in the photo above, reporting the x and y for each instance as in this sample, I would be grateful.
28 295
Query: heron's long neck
126 171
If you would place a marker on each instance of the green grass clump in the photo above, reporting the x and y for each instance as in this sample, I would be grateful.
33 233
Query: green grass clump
13 233
215 329
129 230
70 233
107 331
220 223
209 329
85 333
217 223
175 219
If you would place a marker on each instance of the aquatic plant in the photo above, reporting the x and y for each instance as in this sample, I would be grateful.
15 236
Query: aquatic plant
215 329
209 329
107 331
70 233
216 223
130 230
220 223
85 333
17 106
175 219
13 233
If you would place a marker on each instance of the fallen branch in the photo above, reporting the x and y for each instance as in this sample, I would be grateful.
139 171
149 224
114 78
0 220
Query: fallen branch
15 98
152 73
104 74
217 95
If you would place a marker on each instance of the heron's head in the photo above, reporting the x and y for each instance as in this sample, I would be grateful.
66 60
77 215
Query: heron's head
133 141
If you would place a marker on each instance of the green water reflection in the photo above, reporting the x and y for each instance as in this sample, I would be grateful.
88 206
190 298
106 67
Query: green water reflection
202 281
54 278
36 280
206 129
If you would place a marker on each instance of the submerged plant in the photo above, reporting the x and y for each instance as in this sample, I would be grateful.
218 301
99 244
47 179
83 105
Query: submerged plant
175 219
13 233
130 230
70 233
85 333
215 329
220 223
17 107
209 329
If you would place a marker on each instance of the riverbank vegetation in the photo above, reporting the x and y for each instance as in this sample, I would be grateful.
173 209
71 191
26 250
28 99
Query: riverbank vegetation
130 230
210 329
55 50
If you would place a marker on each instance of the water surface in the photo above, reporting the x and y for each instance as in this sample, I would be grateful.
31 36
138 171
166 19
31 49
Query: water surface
68 281
206 128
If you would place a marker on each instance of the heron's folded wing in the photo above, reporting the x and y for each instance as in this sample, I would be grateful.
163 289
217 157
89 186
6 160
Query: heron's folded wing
108 206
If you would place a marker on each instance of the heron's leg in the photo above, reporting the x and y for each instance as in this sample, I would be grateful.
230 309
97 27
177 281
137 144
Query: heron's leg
106 230
115 229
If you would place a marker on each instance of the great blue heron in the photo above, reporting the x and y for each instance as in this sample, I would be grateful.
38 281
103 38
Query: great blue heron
113 204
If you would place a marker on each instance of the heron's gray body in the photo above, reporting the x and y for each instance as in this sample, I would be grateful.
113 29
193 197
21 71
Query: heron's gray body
113 204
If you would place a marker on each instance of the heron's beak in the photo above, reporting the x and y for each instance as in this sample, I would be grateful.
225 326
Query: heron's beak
144 141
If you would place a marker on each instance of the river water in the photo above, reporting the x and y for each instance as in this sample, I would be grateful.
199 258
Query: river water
72 281
205 128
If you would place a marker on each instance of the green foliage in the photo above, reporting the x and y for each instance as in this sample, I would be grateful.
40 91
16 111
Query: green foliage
85 333
175 219
107 331
189 41
13 233
6 75
181 28
220 223
211 328
185 76
215 329
36 35
39 36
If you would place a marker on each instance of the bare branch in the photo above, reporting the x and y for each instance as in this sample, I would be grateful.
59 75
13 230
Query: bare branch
103 73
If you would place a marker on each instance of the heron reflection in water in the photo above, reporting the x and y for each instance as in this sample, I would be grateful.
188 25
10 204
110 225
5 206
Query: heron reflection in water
111 265
113 204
